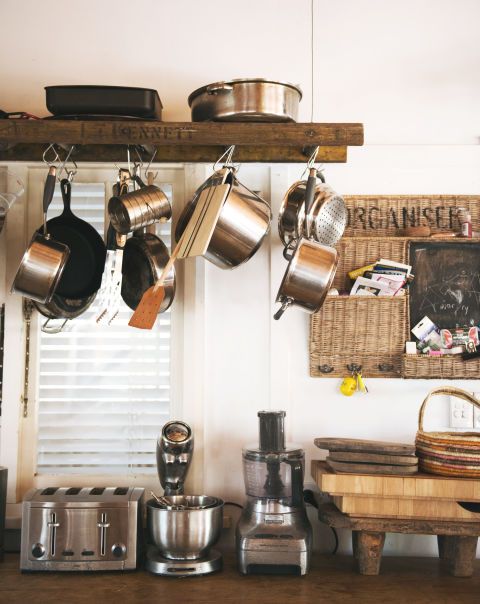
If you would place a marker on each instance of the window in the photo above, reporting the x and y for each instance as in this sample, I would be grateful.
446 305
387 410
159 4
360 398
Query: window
103 390
98 395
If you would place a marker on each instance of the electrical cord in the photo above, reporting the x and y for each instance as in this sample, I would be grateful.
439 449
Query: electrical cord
237 505
309 497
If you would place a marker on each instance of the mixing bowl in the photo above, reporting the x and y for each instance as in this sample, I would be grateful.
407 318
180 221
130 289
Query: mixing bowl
185 534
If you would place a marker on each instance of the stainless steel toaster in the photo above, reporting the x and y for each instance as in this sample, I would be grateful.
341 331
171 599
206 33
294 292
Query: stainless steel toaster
73 528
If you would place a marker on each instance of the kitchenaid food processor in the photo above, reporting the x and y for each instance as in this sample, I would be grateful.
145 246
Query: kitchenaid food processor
273 534
181 528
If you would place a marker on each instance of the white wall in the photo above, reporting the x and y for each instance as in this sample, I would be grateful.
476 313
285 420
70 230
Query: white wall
408 70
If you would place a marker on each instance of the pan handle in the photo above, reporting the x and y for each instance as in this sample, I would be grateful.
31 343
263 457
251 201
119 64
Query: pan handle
52 330
289 250
309 195
48 191
66 188
285 304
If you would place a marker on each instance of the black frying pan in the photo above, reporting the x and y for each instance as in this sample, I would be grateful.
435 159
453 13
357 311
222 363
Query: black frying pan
83 271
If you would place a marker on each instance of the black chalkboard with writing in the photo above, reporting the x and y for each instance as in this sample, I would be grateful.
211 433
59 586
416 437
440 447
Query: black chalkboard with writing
446 287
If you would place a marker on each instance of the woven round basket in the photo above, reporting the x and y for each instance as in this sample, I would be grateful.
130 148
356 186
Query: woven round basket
448 453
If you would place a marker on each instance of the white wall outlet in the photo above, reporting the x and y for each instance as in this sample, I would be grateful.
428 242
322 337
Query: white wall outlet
461 413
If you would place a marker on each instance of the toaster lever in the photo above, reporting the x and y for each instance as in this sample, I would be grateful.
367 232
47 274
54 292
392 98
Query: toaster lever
53 525
103 525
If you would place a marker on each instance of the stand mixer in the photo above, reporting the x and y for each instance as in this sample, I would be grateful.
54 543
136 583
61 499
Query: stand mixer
273 534
181 527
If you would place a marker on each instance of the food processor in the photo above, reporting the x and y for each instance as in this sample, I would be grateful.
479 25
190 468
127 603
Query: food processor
181 528
273 534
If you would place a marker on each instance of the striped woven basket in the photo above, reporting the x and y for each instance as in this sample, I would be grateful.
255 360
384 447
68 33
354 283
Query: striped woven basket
448 453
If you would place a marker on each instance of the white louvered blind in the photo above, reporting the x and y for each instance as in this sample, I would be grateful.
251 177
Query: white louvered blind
104 391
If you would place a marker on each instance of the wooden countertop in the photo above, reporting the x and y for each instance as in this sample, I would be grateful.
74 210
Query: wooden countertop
332 579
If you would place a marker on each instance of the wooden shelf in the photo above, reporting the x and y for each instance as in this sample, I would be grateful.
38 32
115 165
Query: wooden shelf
25 140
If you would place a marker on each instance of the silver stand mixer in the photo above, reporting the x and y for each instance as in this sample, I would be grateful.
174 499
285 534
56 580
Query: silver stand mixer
182 528
273 535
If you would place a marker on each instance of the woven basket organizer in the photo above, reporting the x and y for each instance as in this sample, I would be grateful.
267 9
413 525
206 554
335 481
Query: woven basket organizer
448 453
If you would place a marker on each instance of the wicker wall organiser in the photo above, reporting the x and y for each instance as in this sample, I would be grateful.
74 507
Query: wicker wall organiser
370 332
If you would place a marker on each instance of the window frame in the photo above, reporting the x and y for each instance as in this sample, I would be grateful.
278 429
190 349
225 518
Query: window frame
18 435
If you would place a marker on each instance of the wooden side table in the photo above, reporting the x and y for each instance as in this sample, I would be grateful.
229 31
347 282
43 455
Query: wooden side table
457 540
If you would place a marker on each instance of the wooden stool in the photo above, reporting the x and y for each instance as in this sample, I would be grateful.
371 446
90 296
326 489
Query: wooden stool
457 540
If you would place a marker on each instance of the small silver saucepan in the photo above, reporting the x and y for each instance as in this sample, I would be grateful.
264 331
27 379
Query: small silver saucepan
308 277
44 260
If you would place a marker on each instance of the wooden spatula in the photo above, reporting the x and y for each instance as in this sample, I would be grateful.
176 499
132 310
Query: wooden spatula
147 310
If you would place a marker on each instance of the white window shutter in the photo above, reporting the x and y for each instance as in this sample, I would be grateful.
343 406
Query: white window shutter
104 391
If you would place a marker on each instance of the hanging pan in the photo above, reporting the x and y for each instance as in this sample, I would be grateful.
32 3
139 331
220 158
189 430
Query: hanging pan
83 271
311 267
327 213
44 262
144 258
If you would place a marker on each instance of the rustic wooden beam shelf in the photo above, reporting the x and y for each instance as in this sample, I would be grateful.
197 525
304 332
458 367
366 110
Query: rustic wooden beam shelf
25 140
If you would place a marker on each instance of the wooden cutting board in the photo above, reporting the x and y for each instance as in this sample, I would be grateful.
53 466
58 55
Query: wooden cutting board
394 460
370 468
419 485
403 508
364 446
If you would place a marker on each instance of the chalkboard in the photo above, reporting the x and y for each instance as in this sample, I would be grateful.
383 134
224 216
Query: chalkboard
446 287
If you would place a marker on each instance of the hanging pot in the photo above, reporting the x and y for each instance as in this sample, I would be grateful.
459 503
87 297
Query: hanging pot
242 225
246 100
144 258
44 261
137 209
308 277
327 215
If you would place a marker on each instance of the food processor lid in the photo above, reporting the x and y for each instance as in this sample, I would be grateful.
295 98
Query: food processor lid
291 452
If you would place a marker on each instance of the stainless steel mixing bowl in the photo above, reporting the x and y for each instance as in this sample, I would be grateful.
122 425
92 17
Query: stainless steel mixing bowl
185 534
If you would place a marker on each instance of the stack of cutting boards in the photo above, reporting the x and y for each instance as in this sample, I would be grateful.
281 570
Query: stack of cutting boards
417 497
369 456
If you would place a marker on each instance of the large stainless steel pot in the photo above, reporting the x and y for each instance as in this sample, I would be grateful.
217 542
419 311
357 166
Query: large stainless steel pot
308 277
246 100
243 222
185 534
327 215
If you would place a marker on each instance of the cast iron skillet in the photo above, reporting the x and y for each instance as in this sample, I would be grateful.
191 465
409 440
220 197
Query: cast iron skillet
83 271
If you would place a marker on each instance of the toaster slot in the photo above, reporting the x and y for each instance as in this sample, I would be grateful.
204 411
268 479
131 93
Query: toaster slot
73 491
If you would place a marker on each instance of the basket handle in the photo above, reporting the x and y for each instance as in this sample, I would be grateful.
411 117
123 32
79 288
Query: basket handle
458 392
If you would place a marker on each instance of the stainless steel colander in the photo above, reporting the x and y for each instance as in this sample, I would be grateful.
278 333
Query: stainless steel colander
327 216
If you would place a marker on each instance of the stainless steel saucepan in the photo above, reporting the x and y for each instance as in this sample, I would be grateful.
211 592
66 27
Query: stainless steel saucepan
308 277
43 262
242 225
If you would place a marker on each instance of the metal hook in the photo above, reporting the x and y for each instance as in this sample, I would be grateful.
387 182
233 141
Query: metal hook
311 163
228 154
312 158
70 173
56 159
147 169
